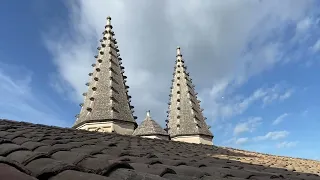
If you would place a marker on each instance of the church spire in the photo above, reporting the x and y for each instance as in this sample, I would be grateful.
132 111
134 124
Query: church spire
149 128
185 117
107 100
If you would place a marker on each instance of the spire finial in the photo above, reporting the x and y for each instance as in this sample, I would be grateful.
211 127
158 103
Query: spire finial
178 51
148 113
108 20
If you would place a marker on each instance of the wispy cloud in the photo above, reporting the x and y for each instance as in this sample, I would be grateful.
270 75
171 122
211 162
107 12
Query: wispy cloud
236 141
277 93
275 135
272 136
316 46
247 126
280 118
241 140
18 101
304 24
286 144
219 46
226 105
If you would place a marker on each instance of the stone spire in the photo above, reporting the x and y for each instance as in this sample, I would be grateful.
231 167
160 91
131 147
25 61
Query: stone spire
150 129
107 103
185 118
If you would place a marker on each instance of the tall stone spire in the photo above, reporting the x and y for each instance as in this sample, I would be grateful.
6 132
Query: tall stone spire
185 118
106 104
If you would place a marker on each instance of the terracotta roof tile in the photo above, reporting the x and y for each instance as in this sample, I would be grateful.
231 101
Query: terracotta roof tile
46 152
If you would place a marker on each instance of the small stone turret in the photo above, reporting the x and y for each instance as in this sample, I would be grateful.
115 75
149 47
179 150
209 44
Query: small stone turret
106 104
185 119
151 129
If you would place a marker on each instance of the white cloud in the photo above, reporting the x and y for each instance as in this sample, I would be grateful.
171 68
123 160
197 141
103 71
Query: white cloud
316 46
277 93
241 128
286 144
20 103
236 141
215 44
275 135
304 24
286 95
230 106
248 126
280 118
241 140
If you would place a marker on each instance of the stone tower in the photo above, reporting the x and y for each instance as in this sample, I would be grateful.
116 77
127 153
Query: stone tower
106 106
185 118
149 128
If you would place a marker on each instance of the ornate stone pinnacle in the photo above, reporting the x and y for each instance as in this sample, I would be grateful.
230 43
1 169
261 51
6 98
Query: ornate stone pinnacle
108 26
148 113
178 51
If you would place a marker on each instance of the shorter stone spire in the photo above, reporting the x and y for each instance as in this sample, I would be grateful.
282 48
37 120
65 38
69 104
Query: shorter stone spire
150 129
185 118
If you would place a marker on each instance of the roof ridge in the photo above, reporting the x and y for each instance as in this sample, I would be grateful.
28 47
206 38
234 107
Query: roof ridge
144 139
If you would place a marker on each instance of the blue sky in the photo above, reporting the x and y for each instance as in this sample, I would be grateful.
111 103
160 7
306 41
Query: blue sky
255 64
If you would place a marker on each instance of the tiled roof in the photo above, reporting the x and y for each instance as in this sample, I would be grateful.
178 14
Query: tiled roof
149 127
31 151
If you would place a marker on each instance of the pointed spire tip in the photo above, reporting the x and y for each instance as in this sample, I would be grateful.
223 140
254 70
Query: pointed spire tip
108 21
178 51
